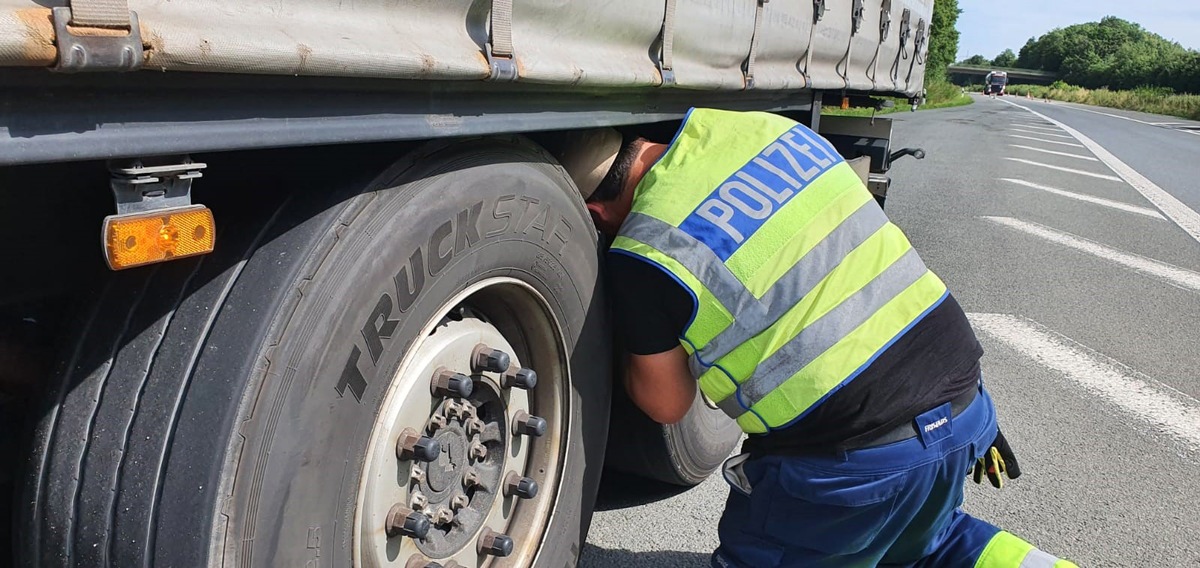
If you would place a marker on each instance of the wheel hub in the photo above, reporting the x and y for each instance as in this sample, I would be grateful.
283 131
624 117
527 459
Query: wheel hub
460 486
446 471
457 456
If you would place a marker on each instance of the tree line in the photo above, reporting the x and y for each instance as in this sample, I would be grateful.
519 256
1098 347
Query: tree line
1112 53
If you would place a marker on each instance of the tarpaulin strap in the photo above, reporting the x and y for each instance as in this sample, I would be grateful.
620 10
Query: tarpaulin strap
100 13
666 56
843 67
905 31
885 26
500 47
754 39
818 13
502 28
918 45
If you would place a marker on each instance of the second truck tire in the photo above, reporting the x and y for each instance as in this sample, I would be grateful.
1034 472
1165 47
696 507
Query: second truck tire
683 454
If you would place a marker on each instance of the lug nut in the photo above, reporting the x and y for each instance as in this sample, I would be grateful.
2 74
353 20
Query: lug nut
437 422
474 426
402 521
413 446
494 543
443 516
469 410
470 478
478 451
417 475
450 384
459 501
525 424
485 358
522 487
522 378
418 500
454 409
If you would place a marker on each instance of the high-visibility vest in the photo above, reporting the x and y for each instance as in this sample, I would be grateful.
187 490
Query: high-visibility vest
799 280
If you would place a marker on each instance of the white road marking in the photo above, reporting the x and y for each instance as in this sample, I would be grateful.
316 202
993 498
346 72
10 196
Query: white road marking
1169 273
1045 141
1090 199
1040 126
1044 151
1170 411
1062 169
1173 208
1040 133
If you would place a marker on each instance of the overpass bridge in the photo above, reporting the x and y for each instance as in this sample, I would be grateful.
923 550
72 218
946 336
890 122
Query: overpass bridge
1015 75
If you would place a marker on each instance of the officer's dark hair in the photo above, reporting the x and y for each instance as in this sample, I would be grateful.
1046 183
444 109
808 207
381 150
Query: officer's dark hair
613 184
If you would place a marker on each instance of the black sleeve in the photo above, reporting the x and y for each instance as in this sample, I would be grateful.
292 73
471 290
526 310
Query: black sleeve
651 309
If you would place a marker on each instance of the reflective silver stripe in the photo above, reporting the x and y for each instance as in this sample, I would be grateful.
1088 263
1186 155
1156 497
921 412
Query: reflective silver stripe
731 407
827 331
799 280
1038 559
698 259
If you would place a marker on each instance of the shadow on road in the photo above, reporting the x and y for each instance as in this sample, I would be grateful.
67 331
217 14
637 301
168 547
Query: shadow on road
622 491
596 557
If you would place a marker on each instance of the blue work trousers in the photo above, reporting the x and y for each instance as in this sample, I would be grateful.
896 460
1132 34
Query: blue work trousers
893 505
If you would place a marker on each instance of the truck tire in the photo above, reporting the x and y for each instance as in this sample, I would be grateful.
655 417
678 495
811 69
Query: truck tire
264 405
684 453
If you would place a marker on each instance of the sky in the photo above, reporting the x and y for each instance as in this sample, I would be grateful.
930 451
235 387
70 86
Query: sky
987 27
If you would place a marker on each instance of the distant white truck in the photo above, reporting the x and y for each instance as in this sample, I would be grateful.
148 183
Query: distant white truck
995 83
359 319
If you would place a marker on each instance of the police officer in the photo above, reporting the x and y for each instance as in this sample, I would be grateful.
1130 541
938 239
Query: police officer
748 258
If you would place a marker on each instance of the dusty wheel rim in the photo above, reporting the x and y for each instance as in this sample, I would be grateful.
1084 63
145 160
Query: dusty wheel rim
508 315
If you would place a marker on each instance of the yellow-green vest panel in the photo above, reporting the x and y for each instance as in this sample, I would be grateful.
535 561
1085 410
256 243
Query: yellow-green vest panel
799 279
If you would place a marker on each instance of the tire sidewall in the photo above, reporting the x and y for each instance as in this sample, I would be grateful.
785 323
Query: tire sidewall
445 218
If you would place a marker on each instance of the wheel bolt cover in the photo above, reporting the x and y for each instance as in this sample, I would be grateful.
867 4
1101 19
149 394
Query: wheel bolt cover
402 521
485 358
525 424
494 543
521 487
413 446
450 384
522 378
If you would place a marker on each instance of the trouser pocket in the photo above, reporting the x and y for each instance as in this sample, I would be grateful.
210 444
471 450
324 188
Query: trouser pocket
829 514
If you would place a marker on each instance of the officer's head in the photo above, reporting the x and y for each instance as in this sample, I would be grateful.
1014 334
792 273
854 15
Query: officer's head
606 168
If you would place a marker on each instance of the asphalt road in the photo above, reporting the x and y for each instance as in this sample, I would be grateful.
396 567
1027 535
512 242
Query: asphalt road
1085 291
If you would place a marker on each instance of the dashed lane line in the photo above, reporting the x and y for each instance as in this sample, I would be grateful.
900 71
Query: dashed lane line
1121 206
1170 411
1172 207
1044 141
1068 137
1167 273
1039 126
1062 169
1054 152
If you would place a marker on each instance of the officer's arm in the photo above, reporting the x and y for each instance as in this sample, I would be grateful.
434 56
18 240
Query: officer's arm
661 385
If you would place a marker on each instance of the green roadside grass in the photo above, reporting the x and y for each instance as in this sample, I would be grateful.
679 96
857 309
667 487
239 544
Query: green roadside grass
1147 99
938 95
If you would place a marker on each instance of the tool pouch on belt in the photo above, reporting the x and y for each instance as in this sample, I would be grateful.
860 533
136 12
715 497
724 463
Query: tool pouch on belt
997 463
